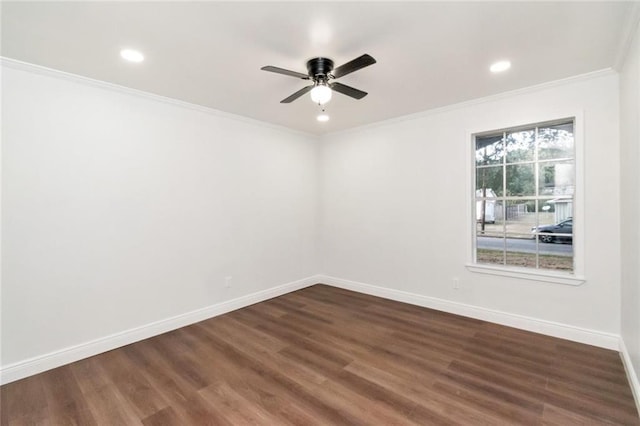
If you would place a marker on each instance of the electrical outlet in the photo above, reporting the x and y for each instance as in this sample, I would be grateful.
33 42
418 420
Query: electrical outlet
456 283
227 281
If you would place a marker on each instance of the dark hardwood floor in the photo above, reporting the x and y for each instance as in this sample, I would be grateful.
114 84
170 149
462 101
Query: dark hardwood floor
329 356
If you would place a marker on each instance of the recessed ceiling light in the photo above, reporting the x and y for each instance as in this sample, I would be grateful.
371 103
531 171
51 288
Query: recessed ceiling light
131 55
500 66
322 117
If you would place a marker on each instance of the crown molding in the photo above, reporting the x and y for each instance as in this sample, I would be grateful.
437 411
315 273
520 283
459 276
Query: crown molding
628 33
75 78
478 101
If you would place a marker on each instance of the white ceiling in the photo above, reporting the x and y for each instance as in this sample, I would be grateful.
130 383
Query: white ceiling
210 53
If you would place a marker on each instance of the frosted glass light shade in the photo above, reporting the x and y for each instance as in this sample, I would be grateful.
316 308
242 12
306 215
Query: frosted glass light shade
321 94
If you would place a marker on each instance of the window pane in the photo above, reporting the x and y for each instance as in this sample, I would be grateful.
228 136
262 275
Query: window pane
555 141
492 214
556 262
489 150
556 178
520 146
493 224
489 181
521 218
490 243
520 252
520 180
490 257
556 256
563 209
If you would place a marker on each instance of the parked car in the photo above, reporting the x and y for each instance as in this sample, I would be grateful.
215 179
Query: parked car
565 228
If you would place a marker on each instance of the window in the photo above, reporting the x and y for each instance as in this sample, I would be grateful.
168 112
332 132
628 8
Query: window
524 197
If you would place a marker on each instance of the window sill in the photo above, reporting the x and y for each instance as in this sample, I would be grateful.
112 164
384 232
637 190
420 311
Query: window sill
525 274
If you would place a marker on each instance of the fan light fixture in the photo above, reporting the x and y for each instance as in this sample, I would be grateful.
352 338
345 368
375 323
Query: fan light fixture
322 118
321 94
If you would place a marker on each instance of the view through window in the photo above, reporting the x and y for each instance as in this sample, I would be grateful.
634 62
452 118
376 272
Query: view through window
524 196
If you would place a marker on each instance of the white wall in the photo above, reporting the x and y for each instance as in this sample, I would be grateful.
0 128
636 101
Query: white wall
120 210
396 199
630 202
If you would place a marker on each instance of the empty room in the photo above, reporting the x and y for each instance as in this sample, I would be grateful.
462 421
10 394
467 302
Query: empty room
331 213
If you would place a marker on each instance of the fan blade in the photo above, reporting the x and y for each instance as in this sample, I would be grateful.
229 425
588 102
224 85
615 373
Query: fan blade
358 63
285 72
297 95
348 90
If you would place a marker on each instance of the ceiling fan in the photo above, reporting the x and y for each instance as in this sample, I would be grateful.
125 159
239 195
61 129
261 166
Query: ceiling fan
321 72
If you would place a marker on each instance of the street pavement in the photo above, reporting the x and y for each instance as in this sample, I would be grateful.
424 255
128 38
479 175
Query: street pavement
525 246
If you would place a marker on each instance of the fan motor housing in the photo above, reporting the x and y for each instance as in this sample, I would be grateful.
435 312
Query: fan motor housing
319 67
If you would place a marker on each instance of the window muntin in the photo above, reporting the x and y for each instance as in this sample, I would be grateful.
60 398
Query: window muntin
524 195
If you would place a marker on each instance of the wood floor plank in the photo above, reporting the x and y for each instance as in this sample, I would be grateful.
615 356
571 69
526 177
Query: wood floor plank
479 399
555 416
165 417
421 393
359 408
108 406
528 386
136 389
24 402
268 354
234 407
179 390
329 356
271 389
66 404
89 374
244 333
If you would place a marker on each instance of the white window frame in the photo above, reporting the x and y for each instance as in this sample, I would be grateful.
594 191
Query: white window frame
577 276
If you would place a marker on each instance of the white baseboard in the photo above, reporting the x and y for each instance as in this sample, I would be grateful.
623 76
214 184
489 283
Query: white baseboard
631 373
549 328
28 367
